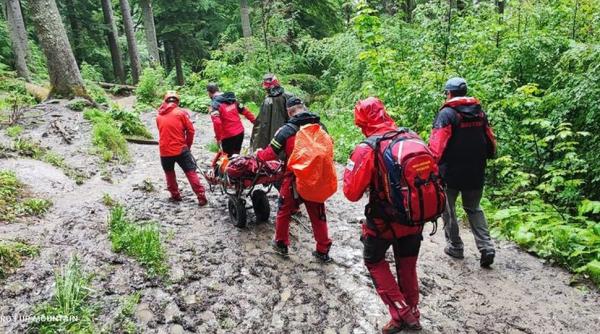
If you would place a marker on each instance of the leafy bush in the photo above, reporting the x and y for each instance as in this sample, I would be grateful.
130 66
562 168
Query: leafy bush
70 303
142 242
151 87
130 123
110 142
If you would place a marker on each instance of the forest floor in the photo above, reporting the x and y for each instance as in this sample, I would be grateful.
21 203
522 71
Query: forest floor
228 280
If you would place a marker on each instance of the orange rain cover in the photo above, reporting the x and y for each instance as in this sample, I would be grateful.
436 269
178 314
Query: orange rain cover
311 162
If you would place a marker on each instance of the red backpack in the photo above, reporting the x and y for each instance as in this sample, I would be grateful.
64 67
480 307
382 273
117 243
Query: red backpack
411 179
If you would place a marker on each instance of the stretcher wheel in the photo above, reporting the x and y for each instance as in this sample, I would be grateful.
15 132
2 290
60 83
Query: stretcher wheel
261 206
237 211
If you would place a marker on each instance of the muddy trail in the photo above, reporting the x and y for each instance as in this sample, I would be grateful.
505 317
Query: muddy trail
227 280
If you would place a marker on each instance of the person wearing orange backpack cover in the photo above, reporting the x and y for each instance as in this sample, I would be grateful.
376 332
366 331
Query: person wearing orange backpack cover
225 113
378 234
289 201
176 136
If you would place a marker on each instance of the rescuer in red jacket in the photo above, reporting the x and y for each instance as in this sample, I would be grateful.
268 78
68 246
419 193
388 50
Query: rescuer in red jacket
176 136
462 140
225 113
289 201
379 231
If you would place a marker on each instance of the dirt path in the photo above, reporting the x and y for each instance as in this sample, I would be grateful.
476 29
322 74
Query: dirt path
227 280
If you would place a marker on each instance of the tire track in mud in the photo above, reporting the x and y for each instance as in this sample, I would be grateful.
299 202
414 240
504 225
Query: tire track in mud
227 280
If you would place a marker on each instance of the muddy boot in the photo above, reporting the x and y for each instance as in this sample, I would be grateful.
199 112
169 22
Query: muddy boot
392 327
487 258
202 201
175 199
280 248
453 252
323 257
410 321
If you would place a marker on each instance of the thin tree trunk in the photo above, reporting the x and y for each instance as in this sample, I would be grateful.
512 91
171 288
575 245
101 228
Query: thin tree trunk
500 8
65 77
134 56
265 25
113 46
18 37
244 11
178 65
573 34
448 31
408 6
150 30
168 56
75 30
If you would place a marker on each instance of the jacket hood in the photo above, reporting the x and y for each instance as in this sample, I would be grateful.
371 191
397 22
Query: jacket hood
304 118
467 106
227 97
370 116
167 107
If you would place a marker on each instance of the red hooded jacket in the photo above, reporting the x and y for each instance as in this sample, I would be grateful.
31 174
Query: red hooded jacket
225 115
361 175
175 129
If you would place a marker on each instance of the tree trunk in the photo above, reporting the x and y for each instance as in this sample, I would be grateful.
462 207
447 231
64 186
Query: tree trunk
178 65
134 56
500 9
111 35
65 77
75 30
244 11
168 56
408 7
150 30
18 37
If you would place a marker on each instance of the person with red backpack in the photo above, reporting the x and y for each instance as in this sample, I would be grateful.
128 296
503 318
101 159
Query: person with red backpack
176 136
462 140
290 199
225 113
400 174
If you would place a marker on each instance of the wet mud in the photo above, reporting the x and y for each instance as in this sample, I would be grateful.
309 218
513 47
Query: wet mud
223 279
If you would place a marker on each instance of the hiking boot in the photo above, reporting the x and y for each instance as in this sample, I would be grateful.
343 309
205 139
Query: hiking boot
280 248
487 258
453 252
410 320
323 257
392 327
202 201
175 199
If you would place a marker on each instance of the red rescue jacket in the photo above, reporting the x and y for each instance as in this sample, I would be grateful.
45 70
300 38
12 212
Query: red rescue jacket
175 129
361 176
225 116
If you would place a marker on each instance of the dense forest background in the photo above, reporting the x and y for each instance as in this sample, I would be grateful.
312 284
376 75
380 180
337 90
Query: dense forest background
535 65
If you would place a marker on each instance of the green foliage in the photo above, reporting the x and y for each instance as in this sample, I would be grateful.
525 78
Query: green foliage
13 202
108 201
107 136
151 87
35 206
12 255
70 303
14 131
130 123
141 241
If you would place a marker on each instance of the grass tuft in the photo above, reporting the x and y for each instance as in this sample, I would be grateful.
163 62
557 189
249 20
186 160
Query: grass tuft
141 241
69 311
12 254
14 131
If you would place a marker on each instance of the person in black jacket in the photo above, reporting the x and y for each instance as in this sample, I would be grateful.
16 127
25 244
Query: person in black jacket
462 140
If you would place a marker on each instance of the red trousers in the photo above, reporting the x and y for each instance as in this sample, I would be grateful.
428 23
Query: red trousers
401 296
316 212
188 164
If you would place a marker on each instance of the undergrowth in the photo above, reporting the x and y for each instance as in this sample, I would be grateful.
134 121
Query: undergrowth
13 200
141 241
12 255
69 311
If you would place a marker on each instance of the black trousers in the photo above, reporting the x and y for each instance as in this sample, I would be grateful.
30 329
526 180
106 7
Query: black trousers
233 145
185 160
